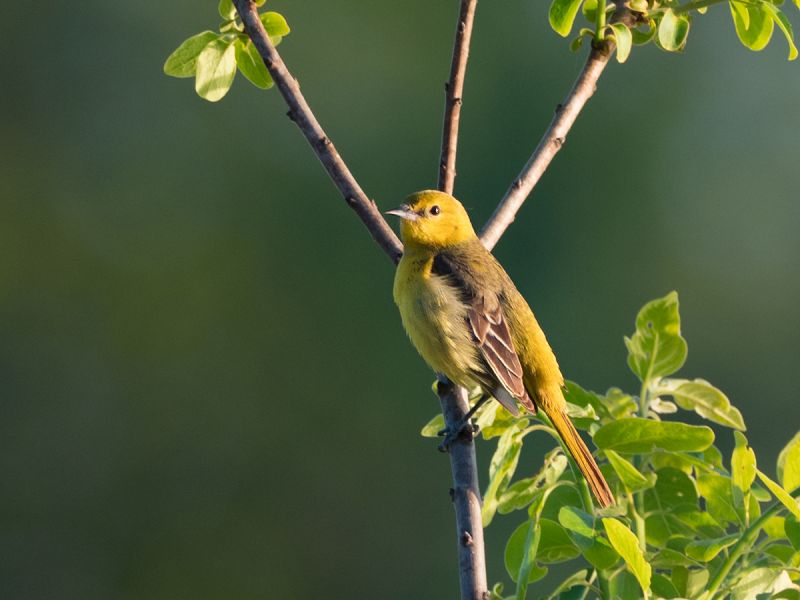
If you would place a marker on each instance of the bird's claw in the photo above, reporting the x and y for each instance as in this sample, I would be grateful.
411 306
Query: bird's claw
468 430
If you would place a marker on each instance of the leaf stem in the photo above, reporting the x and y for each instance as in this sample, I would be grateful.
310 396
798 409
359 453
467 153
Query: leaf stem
745 542
599 33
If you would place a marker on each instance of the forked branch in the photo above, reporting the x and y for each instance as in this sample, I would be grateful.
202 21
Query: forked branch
300 113
551 142
454 90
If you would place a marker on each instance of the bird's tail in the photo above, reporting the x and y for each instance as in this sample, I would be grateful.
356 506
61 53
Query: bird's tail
582 456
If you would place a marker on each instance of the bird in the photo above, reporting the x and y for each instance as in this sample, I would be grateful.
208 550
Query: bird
467 320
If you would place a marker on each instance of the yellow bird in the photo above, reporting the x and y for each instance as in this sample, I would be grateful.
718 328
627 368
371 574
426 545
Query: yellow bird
468 321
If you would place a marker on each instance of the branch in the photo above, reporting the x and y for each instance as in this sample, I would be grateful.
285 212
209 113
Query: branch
453 91
548 147
300 113
466 496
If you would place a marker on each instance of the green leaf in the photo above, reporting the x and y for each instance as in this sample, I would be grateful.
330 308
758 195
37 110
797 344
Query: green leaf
520 543
521 493
580 528
635 435
674 489
789 464
716 489
589 10
630 477
791 527
252 66
706 550
501 470
623 39
743 464
775 528
642 37
673 31
624 541
433 427
555 544
753 25
760 581
276 26
703 398
784 25
182 62
578 578
662 587
656 348
619 404
226 10
781 494
562 15
216 68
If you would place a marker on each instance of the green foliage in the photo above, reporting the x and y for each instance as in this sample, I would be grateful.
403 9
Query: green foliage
684 526
667 22
213 58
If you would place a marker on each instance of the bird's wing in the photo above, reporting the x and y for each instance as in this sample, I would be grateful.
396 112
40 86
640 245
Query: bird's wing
489 327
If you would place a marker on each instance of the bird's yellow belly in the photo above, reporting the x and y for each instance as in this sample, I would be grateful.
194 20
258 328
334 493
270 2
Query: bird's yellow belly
435 319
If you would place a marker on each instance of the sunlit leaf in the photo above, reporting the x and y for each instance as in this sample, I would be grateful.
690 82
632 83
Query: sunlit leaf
562 15
753 25
226 9
501 470
216 68
635 435
784 25
252 66
625 543
673 31
276 26
656 348
717 492
623 40
789 464
761 581
630 477
703 398
182 62
706 550
433 427
781 494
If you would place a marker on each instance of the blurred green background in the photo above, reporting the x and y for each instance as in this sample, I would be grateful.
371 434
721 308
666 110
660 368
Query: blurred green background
206 389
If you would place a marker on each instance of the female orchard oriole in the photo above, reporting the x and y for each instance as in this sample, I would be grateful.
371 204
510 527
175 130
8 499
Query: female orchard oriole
468 321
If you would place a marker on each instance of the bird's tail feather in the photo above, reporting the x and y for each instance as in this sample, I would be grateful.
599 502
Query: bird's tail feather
584 459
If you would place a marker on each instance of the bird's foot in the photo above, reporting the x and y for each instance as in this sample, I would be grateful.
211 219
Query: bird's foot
466 429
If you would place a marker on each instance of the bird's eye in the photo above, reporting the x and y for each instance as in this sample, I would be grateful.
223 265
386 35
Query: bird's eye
435 210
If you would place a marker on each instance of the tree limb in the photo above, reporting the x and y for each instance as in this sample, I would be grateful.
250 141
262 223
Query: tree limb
466 494
300 113
454 89
548 147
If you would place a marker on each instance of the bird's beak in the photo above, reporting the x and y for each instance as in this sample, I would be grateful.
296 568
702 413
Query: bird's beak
404 212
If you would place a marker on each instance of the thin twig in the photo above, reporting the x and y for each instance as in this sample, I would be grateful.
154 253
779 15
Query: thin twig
466 496
300 113
548 147
454 89
466 493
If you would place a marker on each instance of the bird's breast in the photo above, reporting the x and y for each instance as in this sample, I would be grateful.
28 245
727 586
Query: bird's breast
434 316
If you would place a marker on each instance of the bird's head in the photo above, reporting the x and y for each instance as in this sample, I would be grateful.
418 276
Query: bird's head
433 219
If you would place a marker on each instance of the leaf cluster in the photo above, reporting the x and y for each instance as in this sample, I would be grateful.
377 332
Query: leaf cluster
666 23
688 523
213 58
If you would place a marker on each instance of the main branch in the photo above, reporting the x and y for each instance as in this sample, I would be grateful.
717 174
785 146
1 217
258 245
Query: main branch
466 492
300 113
551 142
454 89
